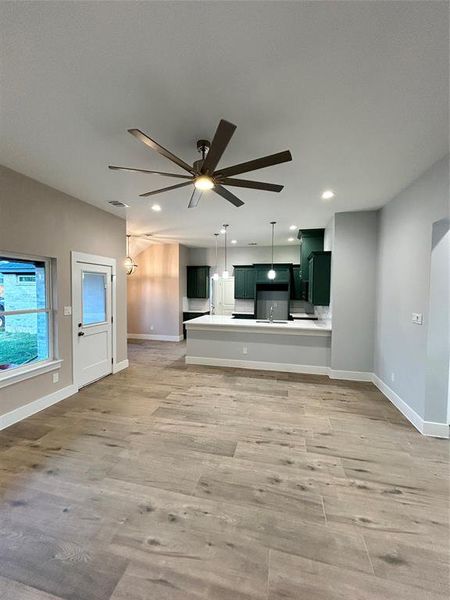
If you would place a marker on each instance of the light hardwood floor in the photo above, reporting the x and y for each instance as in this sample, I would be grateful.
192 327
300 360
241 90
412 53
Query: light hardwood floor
168 482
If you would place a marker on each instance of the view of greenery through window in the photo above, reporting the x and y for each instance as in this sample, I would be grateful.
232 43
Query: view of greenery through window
23 312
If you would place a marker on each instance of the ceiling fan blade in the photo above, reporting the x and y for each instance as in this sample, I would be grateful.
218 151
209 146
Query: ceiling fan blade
253 185
196 195
138 134
228 195
166 189
253 165
131 170
222 137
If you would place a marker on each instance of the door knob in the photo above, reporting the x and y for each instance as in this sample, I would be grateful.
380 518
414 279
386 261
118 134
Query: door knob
80 333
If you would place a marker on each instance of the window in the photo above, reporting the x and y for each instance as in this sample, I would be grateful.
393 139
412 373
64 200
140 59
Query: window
25 313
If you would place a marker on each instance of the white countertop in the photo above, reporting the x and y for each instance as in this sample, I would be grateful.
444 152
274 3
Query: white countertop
220 322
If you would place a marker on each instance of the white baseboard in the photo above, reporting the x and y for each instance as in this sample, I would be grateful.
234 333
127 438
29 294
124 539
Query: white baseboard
257 365
36 406
350 375
120 366
155 337
429 428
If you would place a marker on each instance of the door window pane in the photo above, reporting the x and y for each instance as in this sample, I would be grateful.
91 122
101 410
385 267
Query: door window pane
94 298
23 339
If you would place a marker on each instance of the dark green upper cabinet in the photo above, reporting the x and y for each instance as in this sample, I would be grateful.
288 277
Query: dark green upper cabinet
311 240
296 285
319 267
244 282
198 282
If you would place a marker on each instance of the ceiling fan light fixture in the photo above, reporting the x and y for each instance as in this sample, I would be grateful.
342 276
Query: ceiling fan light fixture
204 183
156 207
328 195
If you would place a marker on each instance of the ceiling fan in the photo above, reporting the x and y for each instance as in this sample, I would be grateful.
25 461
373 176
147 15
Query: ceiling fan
203 174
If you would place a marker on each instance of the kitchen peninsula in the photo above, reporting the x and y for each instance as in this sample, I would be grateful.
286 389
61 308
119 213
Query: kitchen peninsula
292 346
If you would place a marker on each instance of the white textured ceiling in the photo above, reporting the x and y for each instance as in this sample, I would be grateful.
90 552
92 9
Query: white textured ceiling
358 91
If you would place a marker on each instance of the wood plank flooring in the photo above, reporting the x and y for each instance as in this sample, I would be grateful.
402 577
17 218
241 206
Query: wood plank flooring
175 482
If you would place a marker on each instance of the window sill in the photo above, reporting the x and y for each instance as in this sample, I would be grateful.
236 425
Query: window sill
22 373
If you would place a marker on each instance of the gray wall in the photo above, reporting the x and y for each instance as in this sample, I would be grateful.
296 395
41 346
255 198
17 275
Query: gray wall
38 220
403 282
154 299
353 279
438 342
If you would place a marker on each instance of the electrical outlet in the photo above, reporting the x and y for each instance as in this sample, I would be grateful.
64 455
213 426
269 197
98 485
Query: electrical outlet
67 311
392 376
245 350
151 328
55 377
417 318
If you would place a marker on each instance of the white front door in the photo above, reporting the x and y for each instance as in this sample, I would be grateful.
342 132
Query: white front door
92 326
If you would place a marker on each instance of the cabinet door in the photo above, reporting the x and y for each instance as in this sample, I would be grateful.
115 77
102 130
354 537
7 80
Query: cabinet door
311 281
191 282
296 289
249 285
201 283
240 274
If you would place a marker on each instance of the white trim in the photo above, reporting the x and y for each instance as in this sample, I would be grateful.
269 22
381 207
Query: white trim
350 375
425 427
258 365
155 337
107 262
120 366
32 408
27 371
439 430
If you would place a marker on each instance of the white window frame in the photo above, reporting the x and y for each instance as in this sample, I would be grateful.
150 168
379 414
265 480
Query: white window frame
32 369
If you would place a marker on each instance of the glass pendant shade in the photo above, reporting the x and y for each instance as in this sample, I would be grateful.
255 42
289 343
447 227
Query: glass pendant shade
271 274
129 264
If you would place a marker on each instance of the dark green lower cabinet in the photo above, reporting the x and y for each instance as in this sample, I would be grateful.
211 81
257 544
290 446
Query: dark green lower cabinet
244 282
319 272
198 282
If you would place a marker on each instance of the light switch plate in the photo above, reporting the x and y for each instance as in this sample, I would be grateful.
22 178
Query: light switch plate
55 377
67 311
417 318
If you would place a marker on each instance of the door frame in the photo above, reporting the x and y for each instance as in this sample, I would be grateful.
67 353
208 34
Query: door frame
104 261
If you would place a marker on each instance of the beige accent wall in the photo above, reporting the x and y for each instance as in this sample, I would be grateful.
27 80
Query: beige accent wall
38 220
154 292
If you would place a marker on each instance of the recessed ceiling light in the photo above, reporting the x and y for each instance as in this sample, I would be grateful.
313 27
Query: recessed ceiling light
290 239
327 195
234 241
156 207
292 227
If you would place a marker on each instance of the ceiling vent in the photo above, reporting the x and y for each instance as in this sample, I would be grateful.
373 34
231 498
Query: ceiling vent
119 204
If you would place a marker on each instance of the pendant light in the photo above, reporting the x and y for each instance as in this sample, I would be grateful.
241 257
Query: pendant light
216 274
272 274
129 263
225 273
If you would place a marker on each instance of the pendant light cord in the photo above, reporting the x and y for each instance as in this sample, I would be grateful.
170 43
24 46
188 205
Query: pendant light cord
273 227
